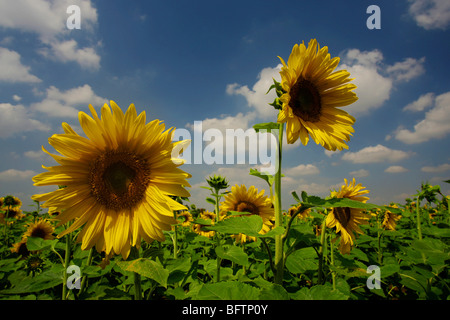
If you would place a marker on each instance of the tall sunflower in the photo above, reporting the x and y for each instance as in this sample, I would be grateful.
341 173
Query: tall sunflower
313 95
347 220
40 229
118 180
256 203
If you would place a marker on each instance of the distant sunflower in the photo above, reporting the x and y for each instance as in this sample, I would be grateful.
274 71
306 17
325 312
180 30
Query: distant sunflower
118 181
21 248
185 218
198 227
347 220
390 220
313 95
256 203
40 229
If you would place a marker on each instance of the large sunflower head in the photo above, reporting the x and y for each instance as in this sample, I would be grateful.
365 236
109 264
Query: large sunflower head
347 220
313 95
251 201
40 229
118 181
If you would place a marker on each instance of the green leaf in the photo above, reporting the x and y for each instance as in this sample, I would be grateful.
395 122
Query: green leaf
230 290
266 177
319 292
274 292
302 260
46 280
266 126
36 243
295 195
248 225
232 253
147 268
389 270
210 200
346 203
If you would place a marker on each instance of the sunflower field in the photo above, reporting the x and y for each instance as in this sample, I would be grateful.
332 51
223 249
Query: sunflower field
201 259
120 224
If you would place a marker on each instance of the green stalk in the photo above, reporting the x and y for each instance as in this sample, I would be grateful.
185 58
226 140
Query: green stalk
379 234
66 265
419 226
88 263
216 209
134 254
333 274
175 238
322 250
279 256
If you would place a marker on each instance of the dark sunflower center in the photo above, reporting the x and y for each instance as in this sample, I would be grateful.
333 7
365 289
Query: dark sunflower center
305 100
343 215
245 206
119 180
38 233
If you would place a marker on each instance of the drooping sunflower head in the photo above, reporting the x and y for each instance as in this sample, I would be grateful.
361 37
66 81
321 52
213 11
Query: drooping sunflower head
118 179
251 201
313 95
347 220
40 229
21 248
11 202
390 220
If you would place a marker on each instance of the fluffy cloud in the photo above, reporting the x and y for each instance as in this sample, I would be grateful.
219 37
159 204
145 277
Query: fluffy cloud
374 79
12 70
13 175
256 96
361 173
395 169
378 153
17 118
47 19
63 104
302 170
424 101
442 168
430 14
434 126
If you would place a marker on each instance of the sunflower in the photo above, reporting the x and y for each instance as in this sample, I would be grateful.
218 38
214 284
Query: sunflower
242 200
118 181
390 220
302 215
21 248
346 220
185 218
198 227
40 229
312 96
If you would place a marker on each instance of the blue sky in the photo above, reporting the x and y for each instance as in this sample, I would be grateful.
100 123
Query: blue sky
213 61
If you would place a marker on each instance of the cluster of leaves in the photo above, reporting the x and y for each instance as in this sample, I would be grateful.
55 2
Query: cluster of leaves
218 268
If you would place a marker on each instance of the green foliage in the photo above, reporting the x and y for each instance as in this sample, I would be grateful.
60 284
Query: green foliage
410 268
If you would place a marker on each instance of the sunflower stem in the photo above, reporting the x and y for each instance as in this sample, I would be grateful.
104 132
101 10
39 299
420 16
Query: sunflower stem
175 238
322 249
419 226
88 263
379 234
333 273
279 256
66 264
134 254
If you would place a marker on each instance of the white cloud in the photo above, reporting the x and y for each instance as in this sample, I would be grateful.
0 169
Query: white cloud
63 104
302 170
47 19
12 70
13 175
378 153
395 169
361 173
38 155
66 51
17 118
434 126
430 14
424 101
373 79
257 97
406 70
16 97
442 168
